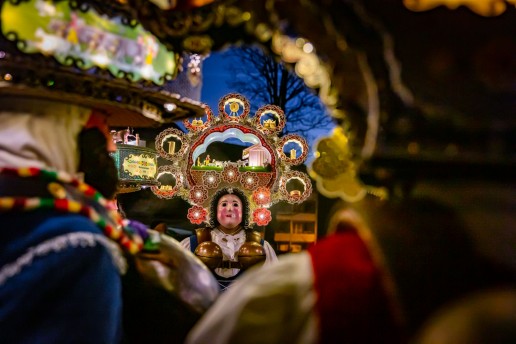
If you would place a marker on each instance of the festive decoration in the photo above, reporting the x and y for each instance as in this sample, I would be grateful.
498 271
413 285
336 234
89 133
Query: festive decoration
262 216
272 125
197 214
333 169
92 53
291 141
249 180
262 196
198 194
170 136
130 235
262 172
137 165
234 107
198 124
295 194
488 8
230 173
166 190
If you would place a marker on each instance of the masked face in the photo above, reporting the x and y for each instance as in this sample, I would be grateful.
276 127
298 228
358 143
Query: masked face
95 162
229 211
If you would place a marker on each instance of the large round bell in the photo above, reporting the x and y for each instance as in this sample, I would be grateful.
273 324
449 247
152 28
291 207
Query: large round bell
209 253
251 253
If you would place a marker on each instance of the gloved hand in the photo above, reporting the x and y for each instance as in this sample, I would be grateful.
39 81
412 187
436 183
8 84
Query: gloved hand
166 264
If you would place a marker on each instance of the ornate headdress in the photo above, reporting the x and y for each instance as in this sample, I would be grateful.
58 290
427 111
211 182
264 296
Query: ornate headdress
262 172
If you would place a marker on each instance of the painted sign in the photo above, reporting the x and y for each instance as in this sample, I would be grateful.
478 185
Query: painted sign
136 164
140 165
87 39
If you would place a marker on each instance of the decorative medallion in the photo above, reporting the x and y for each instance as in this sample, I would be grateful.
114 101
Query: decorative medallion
171 181
234 107
293 149
171 144
199 123
270 119
295 186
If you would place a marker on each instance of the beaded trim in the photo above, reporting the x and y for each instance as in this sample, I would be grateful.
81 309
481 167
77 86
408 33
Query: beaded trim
130 240
60 243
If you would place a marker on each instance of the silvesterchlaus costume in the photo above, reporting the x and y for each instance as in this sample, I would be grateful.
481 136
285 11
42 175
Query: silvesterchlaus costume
231 194
229 248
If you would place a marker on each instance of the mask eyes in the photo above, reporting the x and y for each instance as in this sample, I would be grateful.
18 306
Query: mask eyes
224 204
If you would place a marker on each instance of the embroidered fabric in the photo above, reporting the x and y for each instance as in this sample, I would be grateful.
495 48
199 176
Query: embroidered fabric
230 244
60 243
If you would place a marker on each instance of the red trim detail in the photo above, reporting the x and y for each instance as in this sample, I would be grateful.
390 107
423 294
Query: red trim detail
352 304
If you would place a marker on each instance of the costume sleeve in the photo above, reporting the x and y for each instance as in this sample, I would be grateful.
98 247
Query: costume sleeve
69 294
270 304
186 243
270 254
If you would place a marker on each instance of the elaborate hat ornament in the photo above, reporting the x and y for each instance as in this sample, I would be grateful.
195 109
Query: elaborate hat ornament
91 53
261 170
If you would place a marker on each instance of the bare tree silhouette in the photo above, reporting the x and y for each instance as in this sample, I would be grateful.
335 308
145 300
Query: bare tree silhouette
262 80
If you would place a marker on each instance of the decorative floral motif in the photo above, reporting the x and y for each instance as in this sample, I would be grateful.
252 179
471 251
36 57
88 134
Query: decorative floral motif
230 173
262 216
197 214
198 194
249 180
262 196
211 179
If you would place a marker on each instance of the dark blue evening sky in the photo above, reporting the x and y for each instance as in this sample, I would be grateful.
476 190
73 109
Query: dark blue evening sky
214 87
215 77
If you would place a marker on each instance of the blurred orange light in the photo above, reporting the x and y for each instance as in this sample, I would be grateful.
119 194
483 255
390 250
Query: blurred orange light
487 8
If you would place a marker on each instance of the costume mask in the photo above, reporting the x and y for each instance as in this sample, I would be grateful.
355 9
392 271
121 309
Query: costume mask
229 211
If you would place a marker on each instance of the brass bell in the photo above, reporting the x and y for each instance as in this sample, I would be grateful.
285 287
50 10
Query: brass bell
251 253
210 254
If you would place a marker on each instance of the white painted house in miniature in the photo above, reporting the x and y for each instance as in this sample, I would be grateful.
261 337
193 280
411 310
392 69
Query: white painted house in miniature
257 155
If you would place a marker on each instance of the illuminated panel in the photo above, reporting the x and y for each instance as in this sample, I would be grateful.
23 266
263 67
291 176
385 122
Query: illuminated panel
86 40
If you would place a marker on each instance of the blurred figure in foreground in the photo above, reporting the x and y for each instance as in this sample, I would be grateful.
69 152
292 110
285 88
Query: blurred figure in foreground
485 317
59 270
382 270
63 247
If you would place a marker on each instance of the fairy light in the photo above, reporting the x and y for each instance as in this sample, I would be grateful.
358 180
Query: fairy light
308 48
169 107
